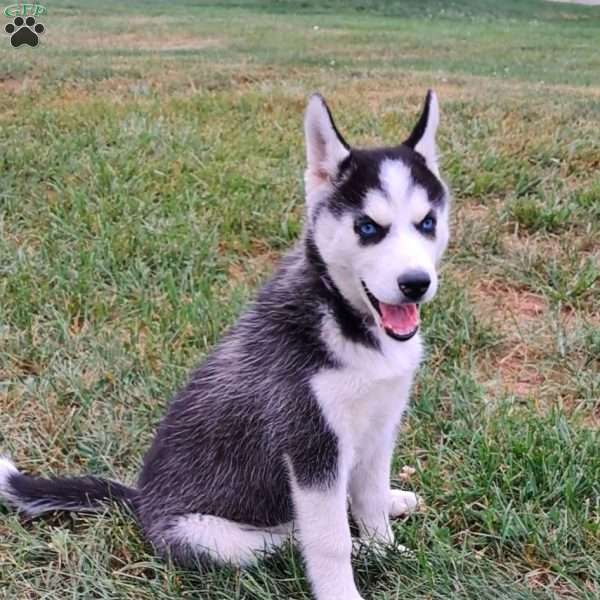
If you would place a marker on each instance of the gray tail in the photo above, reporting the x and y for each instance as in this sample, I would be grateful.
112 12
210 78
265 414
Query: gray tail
36 495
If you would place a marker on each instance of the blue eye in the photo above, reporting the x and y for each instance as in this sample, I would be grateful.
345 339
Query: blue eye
367 229
427 225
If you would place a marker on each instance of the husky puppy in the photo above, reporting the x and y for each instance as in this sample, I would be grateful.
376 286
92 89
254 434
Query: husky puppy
296 410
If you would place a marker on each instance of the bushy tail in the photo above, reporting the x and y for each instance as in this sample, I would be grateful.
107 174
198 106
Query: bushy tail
36 495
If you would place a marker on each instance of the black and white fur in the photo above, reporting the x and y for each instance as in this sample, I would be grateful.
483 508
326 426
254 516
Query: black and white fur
296 410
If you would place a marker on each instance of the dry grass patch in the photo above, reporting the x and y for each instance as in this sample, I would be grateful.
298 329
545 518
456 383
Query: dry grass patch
147 41
542 580
522 364
14 86
251 266
147 33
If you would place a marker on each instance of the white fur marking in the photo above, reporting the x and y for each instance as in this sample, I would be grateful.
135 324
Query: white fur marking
377 207
324 535
7 468
363 402
225 540
396 178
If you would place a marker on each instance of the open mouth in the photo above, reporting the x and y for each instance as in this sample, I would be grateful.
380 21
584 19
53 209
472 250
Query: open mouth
399 321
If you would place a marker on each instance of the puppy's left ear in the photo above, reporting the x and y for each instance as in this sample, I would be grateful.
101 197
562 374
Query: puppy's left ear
325 147
422 138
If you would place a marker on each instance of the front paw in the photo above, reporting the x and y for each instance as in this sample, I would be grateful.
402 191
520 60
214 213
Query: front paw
403 503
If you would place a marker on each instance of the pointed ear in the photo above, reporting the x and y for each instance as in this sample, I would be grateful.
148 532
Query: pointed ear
325 147
422 138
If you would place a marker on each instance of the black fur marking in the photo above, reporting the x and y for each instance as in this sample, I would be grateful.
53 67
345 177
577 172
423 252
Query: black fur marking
419 130
353 324
359 173
68 493
333 125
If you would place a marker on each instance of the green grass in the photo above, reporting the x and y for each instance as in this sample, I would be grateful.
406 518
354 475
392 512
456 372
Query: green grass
151 174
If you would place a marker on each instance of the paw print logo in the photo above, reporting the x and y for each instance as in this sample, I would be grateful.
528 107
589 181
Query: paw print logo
24 31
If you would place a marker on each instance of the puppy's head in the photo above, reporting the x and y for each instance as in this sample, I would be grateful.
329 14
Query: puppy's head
378 217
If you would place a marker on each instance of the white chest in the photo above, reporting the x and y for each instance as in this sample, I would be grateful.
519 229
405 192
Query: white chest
356 409
369 393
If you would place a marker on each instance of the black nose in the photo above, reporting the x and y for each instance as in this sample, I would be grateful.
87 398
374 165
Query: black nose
414 284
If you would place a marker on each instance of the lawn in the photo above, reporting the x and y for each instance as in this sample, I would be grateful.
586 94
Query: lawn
151 160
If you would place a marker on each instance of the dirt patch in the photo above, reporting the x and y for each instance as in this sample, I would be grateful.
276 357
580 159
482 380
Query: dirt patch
521 319
251 270
249 266
518 371
539 356
506 305
10 85
16 87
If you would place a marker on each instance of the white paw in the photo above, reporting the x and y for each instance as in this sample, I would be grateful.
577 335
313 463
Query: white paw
402 503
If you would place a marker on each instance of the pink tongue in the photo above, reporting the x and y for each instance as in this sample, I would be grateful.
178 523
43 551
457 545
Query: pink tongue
400 318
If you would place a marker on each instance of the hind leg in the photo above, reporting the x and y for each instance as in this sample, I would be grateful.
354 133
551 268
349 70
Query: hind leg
194 538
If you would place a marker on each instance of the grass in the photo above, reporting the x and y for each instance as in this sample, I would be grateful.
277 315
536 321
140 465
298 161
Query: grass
150 176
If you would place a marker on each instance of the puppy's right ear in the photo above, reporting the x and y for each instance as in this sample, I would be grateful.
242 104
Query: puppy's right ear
325 147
